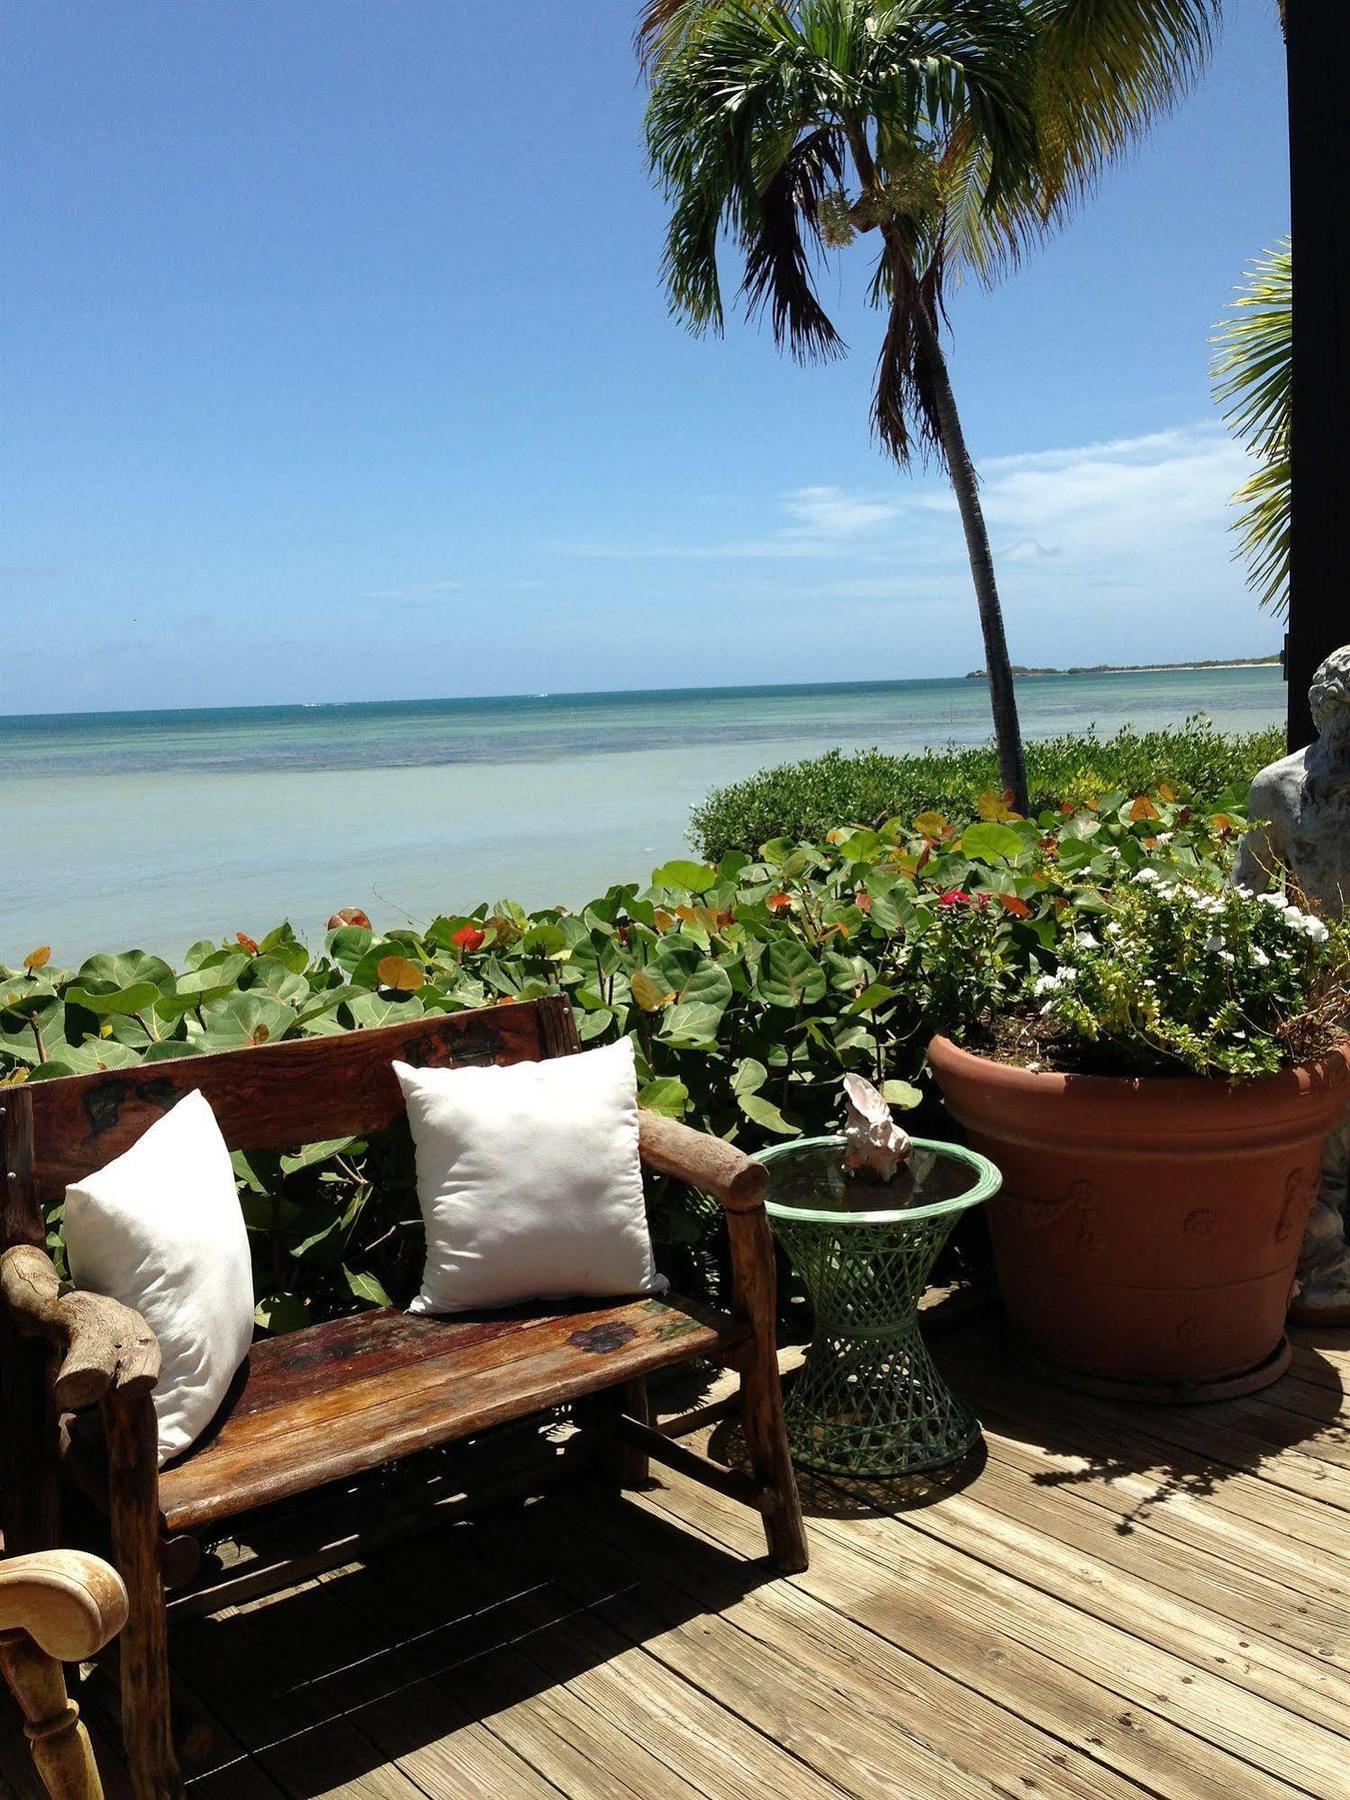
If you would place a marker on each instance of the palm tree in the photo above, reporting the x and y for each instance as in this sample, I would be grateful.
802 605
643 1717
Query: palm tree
1254 370
959 131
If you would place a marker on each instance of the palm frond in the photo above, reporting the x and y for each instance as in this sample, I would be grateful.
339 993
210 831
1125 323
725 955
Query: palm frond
904 402
777 266
1252 373
1106 70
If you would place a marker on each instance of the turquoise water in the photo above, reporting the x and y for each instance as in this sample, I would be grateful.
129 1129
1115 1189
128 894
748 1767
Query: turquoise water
154 829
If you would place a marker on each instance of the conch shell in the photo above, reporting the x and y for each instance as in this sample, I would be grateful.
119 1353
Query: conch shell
875 1141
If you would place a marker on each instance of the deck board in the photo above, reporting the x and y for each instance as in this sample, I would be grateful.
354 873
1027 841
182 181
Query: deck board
1117 1602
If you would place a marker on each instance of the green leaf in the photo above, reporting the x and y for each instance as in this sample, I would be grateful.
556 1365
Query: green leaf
696 878
366 1287
789 976
140 996
750 1076
666 1095
900 1093
108 974
691 1022
309 1154
985 842
765 1113
371 1010
594 1024
249 1018
875 995
281 1312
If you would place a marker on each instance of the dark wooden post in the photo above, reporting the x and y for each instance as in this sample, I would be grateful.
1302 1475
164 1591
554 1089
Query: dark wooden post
1317 42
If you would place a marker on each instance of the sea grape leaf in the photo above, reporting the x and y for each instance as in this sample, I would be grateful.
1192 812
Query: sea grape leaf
666 1095
789 976
140 996
765 1113
366 1287
108 974
985 842
247 1018
697 878
368 1010
750 1076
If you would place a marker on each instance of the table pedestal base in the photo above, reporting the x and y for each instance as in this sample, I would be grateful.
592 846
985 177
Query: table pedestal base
875 1407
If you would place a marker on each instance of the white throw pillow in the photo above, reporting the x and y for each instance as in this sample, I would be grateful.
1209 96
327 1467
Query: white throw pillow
160 1229
529 1181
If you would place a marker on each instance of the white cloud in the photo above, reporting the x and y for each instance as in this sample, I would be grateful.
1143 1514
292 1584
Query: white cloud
821 521
830 512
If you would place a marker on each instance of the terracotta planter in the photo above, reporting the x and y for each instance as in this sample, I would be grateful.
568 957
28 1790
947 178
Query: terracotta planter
1148 1230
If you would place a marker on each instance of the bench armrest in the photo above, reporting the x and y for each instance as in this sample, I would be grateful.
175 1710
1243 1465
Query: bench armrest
107 1346
707 1163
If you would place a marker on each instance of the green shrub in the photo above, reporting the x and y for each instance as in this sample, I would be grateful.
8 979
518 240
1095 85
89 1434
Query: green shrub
749 987
805 799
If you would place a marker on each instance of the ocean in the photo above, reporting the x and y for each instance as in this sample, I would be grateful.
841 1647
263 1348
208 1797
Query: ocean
153 829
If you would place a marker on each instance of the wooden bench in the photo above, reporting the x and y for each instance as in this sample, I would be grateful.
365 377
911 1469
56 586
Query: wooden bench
328 1402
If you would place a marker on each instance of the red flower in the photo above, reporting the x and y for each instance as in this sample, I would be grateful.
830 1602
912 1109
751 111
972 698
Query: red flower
249 943
955 897
777 903
468 937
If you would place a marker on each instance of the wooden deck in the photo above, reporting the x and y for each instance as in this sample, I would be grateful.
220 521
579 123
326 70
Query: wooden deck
1118 1602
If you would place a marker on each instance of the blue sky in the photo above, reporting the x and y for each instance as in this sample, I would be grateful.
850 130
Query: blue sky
337 367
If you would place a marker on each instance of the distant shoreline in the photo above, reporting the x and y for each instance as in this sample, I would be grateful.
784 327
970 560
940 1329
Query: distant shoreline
1237 662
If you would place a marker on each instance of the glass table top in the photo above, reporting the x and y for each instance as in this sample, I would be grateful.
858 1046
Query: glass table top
807 1179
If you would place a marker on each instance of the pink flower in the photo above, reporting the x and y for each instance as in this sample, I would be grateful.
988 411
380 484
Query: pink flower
955 897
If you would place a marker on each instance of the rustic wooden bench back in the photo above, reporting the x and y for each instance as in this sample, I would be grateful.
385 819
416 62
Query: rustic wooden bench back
276 1097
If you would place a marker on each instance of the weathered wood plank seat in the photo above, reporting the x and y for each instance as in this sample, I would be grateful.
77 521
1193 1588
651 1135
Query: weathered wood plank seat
408 1384
337 1399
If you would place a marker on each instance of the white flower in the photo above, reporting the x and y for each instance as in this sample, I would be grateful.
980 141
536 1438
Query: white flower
1148 875
1114 928
1163 837
1212 944
1315 929
1259 957
1278 901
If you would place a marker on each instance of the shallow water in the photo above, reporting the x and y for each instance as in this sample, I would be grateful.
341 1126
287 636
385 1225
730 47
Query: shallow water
154 829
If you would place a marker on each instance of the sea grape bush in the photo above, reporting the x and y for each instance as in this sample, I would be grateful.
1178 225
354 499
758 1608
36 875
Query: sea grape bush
750 987
804 799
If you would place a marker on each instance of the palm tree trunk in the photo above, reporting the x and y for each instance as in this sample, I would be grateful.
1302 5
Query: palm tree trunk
1003 701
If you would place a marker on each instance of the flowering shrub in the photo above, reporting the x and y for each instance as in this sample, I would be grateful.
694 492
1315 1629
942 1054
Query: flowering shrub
1183 975
750 987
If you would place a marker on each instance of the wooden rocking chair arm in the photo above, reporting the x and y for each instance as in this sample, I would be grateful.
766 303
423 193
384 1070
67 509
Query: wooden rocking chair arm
70 1603
707 1163
107 1345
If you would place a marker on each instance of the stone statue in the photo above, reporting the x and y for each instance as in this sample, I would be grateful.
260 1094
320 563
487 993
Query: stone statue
1302 804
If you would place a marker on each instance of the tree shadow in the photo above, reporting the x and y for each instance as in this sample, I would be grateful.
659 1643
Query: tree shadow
1154 1452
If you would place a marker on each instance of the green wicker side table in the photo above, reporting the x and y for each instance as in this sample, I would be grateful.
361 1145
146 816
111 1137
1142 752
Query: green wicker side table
868 1400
